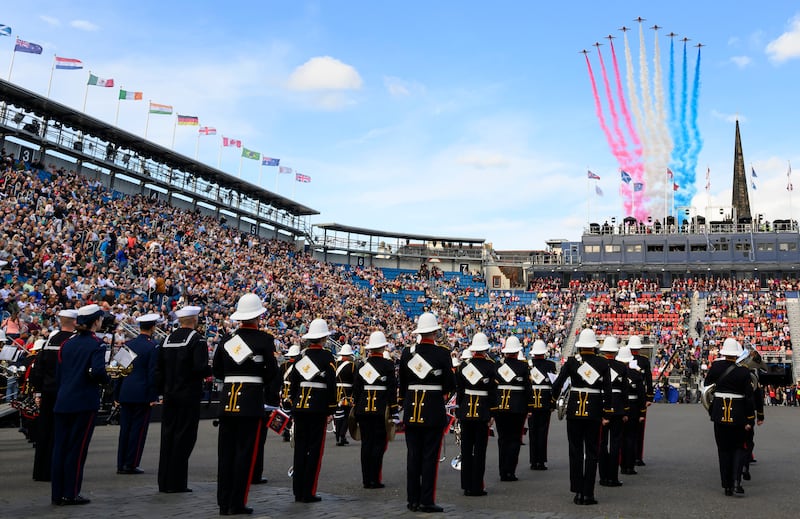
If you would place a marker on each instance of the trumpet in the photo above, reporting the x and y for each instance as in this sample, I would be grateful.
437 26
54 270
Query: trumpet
114 370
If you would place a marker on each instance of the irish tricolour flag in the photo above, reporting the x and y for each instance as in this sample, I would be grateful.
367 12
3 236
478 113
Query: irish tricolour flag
132 96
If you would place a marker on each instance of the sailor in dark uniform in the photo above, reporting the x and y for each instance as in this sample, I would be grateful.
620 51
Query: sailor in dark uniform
635 343
731 411
80 376
634 411
136 395
182 367
43 381
543 372
245 362
477 389
588 406
511 407
425 378
374 395
758 403
611 436
345 375
313 395
285 392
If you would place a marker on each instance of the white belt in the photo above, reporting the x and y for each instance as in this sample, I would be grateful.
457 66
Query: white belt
343 384
507 387
243 379
733 396
616 391
584 390
475 392
318 385
633 397
424 387
541 386
368 387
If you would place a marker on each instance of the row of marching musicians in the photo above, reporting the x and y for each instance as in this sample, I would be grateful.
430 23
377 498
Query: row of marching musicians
607 389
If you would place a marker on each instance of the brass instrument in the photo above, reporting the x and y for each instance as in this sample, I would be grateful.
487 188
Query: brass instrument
455 463
115 371
563 400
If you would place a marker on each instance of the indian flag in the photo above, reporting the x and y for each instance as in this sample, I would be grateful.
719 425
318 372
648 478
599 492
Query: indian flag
132 96
156 108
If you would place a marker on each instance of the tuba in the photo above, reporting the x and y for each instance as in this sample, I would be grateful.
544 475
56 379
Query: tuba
750 359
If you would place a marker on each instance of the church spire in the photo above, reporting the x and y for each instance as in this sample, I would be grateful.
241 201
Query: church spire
741 200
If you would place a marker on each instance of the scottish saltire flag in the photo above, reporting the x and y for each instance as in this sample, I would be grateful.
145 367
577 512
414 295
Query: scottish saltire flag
249 154
5 30
231 143
598 190
130 96
207 130
156 108
188 120
302 178
753 172
637 186
284 170
26 46
592 176
625 176
268 161
68 63
98 81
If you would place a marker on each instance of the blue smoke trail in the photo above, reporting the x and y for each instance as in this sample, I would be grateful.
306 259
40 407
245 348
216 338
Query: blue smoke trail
674 123
696 143
683 139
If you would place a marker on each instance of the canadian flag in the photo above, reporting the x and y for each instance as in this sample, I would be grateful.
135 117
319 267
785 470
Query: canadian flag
228 142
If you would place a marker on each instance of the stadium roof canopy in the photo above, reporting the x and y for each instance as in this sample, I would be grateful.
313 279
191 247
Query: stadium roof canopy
386 234
49 109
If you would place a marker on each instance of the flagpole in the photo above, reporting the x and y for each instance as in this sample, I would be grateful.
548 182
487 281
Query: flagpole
277 174
219 156
147 121
11 67
52 69
788 185
197 146
588 199
239 173
86 92
116 117
174 130
260 171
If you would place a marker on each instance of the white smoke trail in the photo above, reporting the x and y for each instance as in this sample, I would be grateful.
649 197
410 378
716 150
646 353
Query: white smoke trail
664 149
638 118
652 183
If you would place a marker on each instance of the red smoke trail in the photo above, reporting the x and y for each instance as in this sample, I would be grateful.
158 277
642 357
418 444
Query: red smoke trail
621 143
623 106
619 152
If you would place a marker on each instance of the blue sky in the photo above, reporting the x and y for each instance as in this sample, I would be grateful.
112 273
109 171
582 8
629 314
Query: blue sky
466 119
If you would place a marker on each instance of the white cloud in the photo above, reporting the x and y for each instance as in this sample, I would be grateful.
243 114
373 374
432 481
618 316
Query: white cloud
787 45
741 61
728 118
50 20
481 161
324 73
83 25
398 87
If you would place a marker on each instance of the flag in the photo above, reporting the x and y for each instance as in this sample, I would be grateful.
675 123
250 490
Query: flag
789 186
592 176
98 81
284 170
26 46
625 176
669 174
753 172
637 186
675 186
206 130
5 30
302 178
68 63
708 179
231 143
248 154
131 96
188 120
269 161
754 186
156 108
598 190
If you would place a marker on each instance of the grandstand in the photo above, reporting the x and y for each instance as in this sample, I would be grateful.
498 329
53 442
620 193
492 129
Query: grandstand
659 280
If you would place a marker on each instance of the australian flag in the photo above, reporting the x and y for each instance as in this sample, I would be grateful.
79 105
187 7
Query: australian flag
268 161
26 46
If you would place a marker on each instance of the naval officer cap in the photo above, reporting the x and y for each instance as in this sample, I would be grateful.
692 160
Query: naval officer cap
148 318
69 313
188 311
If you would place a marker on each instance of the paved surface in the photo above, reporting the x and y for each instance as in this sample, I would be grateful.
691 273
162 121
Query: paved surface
681 479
